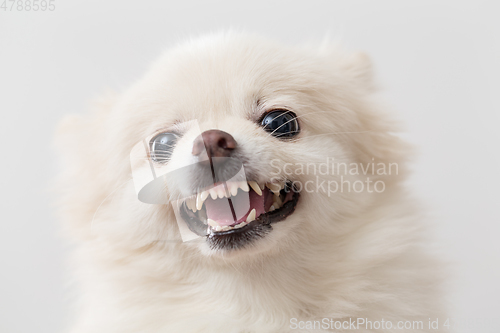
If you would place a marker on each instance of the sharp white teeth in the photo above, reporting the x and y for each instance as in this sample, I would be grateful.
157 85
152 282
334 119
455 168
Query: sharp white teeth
275 188
212 223
240 225
272 208
255 187
277 200
193 204
200 200
277 203
217 227
251 216
221 191
233 188
244 186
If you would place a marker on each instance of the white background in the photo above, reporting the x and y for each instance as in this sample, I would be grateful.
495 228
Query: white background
438 62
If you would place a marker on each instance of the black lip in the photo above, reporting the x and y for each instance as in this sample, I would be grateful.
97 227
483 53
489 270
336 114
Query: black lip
238 238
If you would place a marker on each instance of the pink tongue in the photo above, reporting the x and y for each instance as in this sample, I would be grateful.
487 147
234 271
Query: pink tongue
220 210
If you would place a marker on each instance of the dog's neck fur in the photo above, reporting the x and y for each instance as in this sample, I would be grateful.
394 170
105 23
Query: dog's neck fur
166 284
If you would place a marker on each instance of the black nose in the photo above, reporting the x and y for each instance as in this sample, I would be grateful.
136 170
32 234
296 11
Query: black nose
217 144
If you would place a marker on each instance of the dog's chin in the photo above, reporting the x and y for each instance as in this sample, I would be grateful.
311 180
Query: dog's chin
254 231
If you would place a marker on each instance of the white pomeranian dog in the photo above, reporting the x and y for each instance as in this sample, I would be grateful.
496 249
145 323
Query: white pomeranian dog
245 186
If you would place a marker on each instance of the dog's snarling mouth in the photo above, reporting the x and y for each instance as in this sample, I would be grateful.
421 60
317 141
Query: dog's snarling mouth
233 214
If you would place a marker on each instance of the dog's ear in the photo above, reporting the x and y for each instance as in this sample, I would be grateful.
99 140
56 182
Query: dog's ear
355 67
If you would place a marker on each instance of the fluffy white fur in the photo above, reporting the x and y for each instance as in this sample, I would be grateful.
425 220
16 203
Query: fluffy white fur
340 256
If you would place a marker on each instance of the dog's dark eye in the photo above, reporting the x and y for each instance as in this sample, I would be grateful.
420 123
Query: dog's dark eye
281 123
162 146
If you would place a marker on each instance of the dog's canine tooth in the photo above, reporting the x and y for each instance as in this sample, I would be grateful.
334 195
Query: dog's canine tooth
255 187
191 203
272 208
275 188
277 203
233 188
277 199
213 193
244 186
251 216
199 201
212 223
